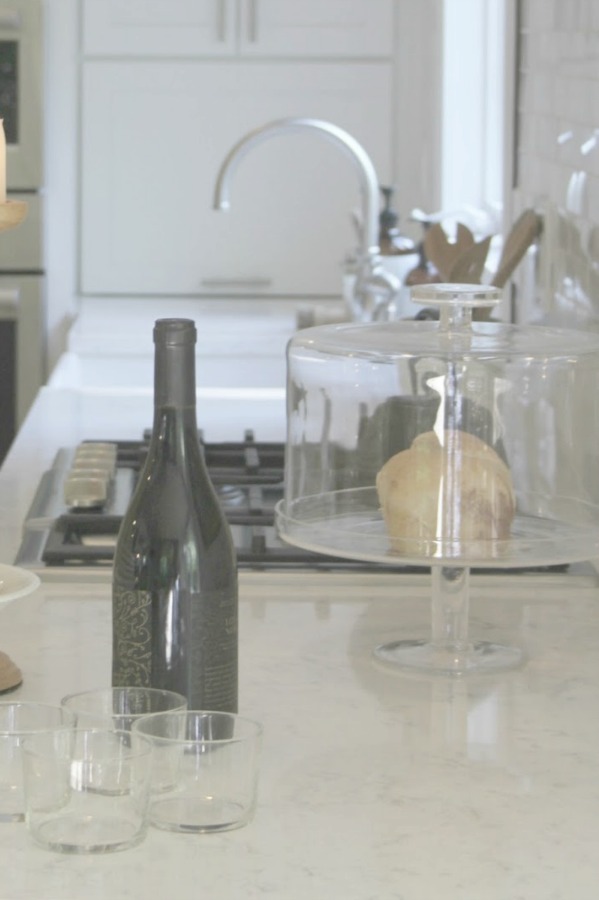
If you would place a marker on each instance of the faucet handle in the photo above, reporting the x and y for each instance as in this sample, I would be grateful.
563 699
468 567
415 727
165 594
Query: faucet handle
374 290
358 223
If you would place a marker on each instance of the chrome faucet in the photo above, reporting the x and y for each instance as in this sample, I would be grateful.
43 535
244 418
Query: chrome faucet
373 288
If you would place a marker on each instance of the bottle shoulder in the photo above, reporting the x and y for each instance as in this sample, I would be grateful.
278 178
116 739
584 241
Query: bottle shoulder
174 496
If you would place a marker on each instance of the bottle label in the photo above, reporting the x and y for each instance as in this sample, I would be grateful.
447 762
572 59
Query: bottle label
132 638
194 653
213 652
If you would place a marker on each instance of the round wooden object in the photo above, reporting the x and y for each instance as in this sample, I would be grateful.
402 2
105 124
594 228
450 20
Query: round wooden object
12 213
10 675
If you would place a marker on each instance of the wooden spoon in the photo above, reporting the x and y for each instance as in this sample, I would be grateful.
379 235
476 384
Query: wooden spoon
468 268
464 238
522 235
444 253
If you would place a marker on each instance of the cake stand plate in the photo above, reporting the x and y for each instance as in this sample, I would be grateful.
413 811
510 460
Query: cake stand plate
15 583
348 523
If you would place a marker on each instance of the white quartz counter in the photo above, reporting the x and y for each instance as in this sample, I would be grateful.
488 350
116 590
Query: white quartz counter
373 786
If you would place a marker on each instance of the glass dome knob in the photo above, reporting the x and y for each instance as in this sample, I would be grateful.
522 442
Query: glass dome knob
455 301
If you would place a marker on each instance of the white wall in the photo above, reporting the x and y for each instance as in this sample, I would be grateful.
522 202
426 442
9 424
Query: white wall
417 111
61 175
422 129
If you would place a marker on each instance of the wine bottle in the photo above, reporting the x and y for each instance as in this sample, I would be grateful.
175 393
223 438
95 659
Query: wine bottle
174 591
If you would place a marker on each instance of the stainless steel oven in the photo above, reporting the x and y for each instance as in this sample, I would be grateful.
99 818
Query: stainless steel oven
22 354
22 312
21 91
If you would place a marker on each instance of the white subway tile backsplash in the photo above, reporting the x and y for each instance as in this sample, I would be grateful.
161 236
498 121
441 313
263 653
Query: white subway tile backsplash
543 50
559 182
560 98
544 138
539 14
566 14
543 92
558 161
593 214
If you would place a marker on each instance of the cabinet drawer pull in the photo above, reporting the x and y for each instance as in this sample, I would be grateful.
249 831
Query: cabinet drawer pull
237 282
221 21
253 21
9 18
9 300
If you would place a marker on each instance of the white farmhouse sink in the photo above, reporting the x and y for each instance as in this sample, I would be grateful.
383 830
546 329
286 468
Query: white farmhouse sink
135 374
240 348
109 326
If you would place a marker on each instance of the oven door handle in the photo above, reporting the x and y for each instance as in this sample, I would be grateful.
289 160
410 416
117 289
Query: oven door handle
9 300
10 18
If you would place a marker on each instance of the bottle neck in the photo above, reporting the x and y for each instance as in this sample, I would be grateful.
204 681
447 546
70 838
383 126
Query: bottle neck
174 377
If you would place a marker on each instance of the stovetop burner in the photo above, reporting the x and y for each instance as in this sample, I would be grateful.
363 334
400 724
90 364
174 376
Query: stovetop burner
247 475
248 478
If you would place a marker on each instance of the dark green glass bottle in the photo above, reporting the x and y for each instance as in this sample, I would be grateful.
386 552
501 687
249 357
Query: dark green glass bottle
174 592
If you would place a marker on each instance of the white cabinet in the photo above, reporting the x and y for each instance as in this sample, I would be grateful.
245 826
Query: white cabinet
159 28
313 28
169 86
154 137
285 28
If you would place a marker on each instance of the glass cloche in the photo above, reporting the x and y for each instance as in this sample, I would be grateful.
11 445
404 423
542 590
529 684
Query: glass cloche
450 443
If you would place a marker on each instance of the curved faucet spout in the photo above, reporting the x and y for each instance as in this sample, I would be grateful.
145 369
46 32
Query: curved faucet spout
373 287
369 189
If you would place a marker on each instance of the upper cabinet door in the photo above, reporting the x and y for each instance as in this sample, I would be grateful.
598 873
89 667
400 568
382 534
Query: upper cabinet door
159 28
270 28
153 140
331 28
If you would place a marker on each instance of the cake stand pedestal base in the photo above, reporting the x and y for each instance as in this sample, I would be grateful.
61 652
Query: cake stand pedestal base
423 657
449 650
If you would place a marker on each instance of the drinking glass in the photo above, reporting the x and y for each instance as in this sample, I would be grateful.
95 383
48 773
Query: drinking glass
205 771
119 707
18 719
87 791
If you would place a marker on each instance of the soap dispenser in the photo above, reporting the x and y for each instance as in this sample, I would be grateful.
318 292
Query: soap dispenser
398 254
391 241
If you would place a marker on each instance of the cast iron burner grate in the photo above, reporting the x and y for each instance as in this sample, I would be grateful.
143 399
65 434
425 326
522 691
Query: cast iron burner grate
248 476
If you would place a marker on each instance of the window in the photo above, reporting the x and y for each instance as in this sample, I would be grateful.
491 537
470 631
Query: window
472 132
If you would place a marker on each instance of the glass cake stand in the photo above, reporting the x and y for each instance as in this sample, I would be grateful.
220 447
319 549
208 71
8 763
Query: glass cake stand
358 395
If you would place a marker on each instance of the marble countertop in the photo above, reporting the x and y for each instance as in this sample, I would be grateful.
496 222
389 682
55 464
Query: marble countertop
374 785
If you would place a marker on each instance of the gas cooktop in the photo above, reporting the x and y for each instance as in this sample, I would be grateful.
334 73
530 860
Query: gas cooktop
247 475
